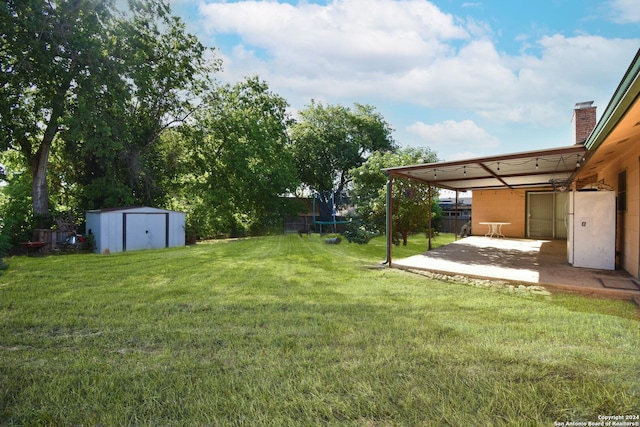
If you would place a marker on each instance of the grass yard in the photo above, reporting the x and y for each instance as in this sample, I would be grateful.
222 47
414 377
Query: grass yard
287 330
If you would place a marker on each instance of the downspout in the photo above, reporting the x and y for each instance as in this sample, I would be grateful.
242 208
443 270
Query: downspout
389 221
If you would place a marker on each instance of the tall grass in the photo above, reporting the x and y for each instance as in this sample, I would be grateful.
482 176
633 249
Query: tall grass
288 330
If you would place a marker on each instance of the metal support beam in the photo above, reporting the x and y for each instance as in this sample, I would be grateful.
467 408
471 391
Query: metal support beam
389 219
455 221
430 214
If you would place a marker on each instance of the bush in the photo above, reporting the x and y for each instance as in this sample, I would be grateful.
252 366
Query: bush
356 232
5 241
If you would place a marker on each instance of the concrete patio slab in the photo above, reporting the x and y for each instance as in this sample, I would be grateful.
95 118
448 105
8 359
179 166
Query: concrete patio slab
524 261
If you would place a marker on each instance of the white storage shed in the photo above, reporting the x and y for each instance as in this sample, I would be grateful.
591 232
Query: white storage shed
134 228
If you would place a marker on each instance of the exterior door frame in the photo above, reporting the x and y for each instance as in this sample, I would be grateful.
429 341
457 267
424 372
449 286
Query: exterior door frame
147 238
558 214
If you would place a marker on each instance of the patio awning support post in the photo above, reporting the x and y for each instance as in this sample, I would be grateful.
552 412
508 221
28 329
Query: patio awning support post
389 220
455 221
430 214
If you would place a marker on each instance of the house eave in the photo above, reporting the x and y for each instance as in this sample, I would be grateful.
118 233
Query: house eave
624 96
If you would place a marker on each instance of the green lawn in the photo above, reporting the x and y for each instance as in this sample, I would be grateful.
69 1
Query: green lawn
288 330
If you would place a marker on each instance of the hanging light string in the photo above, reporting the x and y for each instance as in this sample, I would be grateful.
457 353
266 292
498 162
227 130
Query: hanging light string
538 162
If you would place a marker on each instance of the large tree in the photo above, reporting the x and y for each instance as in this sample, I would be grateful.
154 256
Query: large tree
97 87
49 50
163 71
168 71
331 140
411 199
239 162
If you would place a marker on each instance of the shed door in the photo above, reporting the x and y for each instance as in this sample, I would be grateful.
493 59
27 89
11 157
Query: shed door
145 231
546 214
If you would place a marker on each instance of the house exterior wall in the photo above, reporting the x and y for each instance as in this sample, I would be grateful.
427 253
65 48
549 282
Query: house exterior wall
631 258
628 221
499 206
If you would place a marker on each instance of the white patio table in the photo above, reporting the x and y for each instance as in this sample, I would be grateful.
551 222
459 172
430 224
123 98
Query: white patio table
495 228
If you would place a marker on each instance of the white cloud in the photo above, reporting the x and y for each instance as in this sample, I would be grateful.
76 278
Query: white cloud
354 35
625 11
409 51
461 155
464 135
528 88
349 48
570 70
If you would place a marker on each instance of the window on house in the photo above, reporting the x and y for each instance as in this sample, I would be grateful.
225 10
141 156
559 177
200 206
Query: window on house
622 191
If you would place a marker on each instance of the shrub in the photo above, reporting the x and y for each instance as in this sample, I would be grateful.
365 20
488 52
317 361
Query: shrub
356 232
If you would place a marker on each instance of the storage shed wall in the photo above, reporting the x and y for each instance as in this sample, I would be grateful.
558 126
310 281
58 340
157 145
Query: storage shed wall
94 227
177 235
108 228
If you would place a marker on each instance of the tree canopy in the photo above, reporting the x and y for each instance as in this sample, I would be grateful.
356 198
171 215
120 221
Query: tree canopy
238 158
50 52
329 141
101 107
411 199
95 87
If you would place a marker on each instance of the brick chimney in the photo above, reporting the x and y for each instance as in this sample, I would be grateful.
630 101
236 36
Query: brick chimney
584 120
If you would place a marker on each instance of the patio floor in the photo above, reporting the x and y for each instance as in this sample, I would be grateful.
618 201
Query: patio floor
524 261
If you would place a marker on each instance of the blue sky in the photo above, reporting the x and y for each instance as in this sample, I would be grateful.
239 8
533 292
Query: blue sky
466 79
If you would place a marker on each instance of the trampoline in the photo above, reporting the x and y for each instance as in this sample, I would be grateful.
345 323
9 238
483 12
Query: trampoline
326 213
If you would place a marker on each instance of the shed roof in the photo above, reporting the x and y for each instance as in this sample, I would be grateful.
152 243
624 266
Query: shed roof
550 168
141 209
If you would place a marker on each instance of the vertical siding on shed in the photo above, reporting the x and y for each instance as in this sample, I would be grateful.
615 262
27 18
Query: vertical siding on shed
177 229
108 227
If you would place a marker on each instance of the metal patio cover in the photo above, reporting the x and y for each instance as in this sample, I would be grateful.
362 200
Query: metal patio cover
551 168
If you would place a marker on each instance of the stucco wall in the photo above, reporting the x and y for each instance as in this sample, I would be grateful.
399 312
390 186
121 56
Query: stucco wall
628 223
499 206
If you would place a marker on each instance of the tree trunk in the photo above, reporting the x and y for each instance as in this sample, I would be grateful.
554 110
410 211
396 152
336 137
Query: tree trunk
405 238
40 162
39 191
